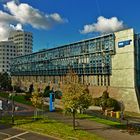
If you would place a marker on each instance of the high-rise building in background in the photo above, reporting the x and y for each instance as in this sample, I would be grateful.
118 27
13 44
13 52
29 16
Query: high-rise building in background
23 41
7 51
19 43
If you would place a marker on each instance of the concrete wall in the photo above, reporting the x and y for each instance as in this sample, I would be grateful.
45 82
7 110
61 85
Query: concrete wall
123 71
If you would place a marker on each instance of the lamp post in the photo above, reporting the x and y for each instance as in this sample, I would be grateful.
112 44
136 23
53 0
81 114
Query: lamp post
13 106
13 109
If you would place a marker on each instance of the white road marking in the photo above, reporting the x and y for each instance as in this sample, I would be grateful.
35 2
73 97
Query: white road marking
17 135
5 134
20 138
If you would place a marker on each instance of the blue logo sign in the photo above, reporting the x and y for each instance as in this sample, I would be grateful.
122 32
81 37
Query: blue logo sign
124 43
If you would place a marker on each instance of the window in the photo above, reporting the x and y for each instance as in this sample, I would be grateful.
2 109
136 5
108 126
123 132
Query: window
98 80
108 80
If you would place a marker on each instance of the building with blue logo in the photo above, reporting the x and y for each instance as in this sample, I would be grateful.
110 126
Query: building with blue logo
110 60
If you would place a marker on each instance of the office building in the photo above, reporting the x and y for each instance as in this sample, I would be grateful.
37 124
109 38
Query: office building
19 43
110 60
23 41
7 51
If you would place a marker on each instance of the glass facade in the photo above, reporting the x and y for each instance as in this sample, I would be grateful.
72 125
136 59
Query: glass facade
87 57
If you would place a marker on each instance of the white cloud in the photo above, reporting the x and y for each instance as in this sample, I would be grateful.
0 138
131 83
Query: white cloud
26 14
57 17
18 14
104 25
4 31
17 27
6 18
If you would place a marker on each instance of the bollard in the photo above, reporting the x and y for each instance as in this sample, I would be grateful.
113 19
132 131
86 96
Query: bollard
118 115
106 112
112 113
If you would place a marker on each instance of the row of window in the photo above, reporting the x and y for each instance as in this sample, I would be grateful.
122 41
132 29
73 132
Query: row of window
4 70
5 58
3 62
27 39
7 46
18 35
4 66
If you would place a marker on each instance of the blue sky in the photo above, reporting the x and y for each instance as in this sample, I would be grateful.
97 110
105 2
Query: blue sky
72 16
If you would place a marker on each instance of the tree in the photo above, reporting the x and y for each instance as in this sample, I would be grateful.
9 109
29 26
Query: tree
106 102
5 81
31 88
37 101
47 91
75 96
29 93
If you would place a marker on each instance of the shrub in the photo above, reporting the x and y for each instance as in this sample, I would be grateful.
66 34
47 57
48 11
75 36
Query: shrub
31 88
17 89
47 92
28 96
58 94
103 102
106 102
105 94
113 103
96 101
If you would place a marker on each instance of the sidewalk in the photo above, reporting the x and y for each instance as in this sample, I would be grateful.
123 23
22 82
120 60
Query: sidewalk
96 111
105 131
25 111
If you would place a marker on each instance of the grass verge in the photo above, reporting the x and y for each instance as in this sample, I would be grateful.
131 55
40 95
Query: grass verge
102 121
17 98
52 127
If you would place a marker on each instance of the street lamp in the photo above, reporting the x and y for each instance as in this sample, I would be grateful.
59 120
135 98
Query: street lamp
11 96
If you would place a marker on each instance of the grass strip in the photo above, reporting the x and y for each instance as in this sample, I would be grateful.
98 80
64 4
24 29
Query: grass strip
51 127
17 98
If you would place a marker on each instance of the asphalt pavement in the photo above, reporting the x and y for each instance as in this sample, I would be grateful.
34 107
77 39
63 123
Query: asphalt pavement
9 133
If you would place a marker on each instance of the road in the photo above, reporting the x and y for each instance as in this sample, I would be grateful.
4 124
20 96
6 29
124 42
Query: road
9 133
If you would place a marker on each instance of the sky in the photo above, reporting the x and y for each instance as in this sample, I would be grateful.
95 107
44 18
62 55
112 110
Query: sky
58 22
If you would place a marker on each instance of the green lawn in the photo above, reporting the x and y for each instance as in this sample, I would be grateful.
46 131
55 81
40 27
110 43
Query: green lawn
20 99
53 128
17 98
102 121
96 119
4 95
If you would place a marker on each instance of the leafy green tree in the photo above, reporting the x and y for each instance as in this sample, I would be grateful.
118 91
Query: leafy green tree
106 102
37 101
85 100
28 94
75 96
31 88
5 81
47 91
58 94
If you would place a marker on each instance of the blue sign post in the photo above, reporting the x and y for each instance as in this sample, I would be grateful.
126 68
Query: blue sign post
52 98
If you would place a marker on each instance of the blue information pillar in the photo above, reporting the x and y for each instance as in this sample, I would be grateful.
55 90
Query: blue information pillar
52 98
